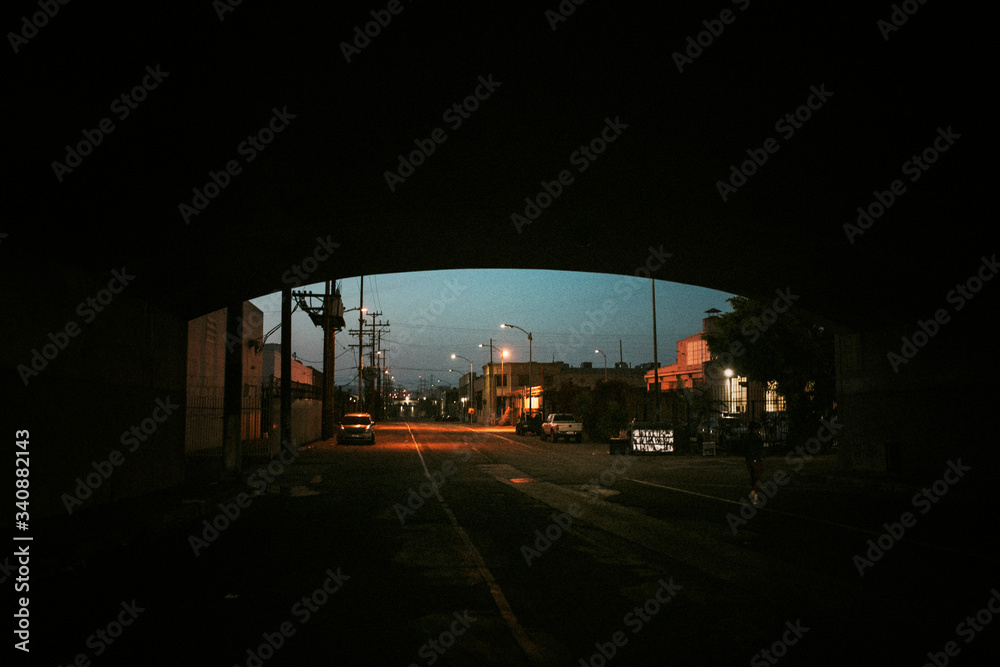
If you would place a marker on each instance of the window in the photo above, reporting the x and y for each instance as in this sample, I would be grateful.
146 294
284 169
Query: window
356 421
736 394
697 352
773 401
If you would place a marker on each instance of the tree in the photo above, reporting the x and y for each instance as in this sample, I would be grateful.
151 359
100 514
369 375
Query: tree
602 415
765 345
563 399
608 408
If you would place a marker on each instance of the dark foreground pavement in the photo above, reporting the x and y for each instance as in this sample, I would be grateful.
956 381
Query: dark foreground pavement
447 545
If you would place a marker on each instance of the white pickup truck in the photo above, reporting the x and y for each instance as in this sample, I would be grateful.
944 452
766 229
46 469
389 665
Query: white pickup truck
561 425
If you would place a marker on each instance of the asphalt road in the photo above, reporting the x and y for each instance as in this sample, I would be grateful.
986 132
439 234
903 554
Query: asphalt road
445 545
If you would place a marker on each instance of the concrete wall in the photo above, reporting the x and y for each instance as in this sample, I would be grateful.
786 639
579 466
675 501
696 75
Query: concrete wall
307 417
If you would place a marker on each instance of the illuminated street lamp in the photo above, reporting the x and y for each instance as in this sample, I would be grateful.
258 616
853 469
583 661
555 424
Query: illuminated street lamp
493 389
511 326
458 356
605 364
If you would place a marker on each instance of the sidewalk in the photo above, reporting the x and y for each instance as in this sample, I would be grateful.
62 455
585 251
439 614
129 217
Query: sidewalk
68 543
819 470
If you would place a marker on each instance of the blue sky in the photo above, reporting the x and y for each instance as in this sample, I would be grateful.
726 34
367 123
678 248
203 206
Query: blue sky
434 314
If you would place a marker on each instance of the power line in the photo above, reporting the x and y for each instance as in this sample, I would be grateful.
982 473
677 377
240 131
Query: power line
307 361
543 333
378 298
433 370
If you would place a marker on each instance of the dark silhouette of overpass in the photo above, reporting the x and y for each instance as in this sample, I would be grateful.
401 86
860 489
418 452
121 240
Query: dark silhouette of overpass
208 152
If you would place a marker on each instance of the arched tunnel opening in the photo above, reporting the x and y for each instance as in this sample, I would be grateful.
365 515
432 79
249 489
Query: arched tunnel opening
176 170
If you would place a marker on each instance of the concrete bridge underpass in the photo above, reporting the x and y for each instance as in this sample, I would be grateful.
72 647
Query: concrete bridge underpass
764 150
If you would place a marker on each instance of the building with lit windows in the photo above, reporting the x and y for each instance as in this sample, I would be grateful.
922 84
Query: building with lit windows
731 393
523 387
517 385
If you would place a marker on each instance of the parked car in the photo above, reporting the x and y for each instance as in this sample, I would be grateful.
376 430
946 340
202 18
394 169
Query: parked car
724 431
561 425
529 424
733 427
356 427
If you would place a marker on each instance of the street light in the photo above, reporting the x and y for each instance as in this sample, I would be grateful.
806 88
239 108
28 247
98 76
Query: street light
605 364
503 354
511 326
492 394
458 356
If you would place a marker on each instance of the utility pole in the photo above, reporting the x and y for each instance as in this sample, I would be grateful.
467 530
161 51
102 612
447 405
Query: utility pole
530 366
329 316
378 381
493 388
286 368
362 331
361 348
375 369
377 366
382 369
232 395
329 359
378 399
656 360
326 417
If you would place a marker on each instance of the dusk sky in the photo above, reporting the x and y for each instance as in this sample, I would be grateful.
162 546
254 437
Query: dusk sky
437 313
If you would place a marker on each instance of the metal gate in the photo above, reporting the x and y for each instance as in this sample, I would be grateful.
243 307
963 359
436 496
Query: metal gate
204 421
